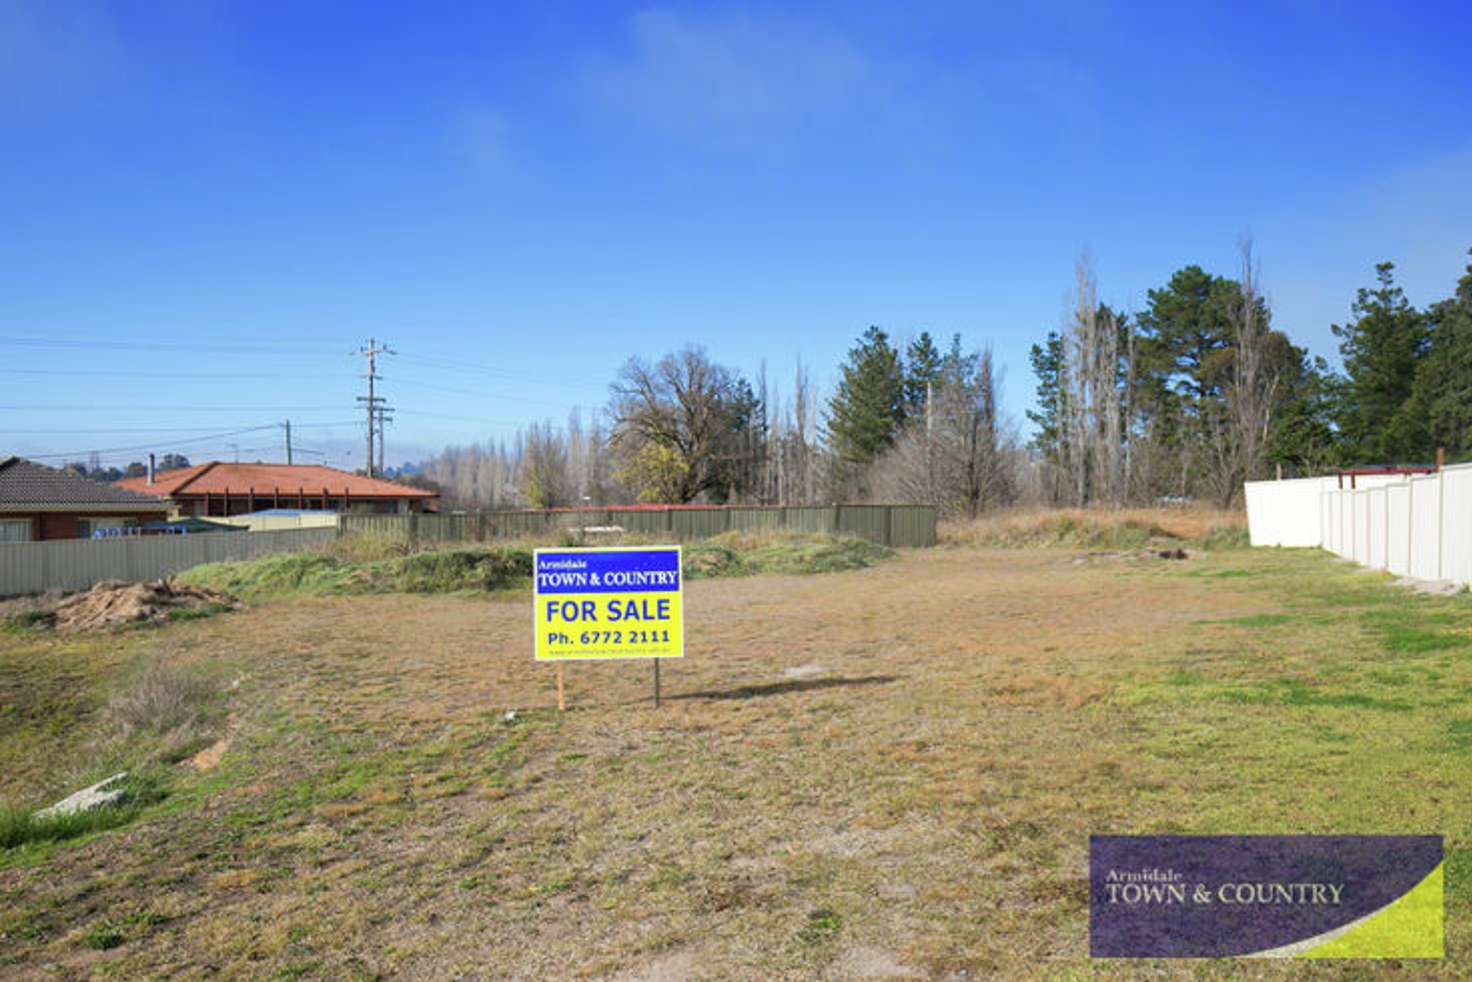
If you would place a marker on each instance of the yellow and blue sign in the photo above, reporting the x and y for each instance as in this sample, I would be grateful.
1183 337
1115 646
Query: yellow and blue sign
624 602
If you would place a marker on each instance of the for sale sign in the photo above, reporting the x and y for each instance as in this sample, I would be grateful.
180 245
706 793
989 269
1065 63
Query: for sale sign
608 603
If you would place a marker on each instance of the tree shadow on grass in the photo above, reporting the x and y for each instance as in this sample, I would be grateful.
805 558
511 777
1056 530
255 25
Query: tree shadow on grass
782 688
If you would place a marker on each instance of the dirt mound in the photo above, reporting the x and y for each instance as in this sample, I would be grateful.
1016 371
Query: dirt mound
114 602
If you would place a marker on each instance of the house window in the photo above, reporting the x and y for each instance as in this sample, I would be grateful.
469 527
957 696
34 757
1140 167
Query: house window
88 528
15 530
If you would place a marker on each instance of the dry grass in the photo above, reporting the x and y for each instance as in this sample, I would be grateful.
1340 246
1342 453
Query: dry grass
891 768
164 697
1085 527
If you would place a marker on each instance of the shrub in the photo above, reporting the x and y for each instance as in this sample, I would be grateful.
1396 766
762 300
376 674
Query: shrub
163 698
450 570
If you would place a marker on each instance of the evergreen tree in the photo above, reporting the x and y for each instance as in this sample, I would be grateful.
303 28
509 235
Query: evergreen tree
865 413
1381 349
1185 330
1302 437
1048 365
922 369
1442 399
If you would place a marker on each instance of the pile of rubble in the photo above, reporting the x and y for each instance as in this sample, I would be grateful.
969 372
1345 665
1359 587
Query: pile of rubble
114 602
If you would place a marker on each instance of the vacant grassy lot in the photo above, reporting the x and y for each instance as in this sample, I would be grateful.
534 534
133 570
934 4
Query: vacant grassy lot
859 773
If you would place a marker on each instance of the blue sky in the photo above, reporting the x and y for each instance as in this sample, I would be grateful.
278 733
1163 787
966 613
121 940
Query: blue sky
208 205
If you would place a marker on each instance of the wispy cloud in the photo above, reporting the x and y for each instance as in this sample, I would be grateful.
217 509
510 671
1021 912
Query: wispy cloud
720 79
485 139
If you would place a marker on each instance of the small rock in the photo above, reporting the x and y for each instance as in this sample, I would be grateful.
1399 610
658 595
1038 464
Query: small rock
1441 588
99 794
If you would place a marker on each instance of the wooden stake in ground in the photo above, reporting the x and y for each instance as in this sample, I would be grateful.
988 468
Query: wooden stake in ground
561 701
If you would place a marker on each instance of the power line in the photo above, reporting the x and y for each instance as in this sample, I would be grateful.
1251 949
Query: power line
163 429
465 392
468 368
74 343
182 441
153 376
149 446
177 407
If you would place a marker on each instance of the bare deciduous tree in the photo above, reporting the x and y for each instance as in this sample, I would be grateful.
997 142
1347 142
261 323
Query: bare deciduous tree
956 456
685 405
1089 408
1239 430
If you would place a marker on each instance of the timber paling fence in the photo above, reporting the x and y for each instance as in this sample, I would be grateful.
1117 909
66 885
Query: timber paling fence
76 564
1416 525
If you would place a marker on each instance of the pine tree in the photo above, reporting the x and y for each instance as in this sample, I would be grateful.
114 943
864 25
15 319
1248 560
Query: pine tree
922 369
1048 365
865 413
1442 398
1381 349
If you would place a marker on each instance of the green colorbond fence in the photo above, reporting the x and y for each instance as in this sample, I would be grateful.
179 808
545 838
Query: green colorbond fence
904 526
32 567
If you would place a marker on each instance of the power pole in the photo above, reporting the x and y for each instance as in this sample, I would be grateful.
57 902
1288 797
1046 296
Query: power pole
372 402
287 424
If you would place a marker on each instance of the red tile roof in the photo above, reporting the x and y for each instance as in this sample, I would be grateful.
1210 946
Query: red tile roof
217 477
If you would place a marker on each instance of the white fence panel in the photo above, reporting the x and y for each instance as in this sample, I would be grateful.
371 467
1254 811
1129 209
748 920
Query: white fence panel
1456 524
1360 517
1418 526
1398 528
1285 513
1377 521
1426 527
1334 506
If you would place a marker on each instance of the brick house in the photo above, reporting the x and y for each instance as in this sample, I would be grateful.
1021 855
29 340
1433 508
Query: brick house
220 489
39 502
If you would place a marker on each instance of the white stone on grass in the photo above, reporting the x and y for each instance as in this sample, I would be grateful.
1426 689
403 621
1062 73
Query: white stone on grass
99 794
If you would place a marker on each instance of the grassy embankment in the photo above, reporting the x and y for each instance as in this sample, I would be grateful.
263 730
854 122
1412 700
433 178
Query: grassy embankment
365 565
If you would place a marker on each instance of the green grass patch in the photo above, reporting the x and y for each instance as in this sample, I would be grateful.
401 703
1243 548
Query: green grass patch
1260 620
22 827
26 622
821 925
101 937
1414 631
